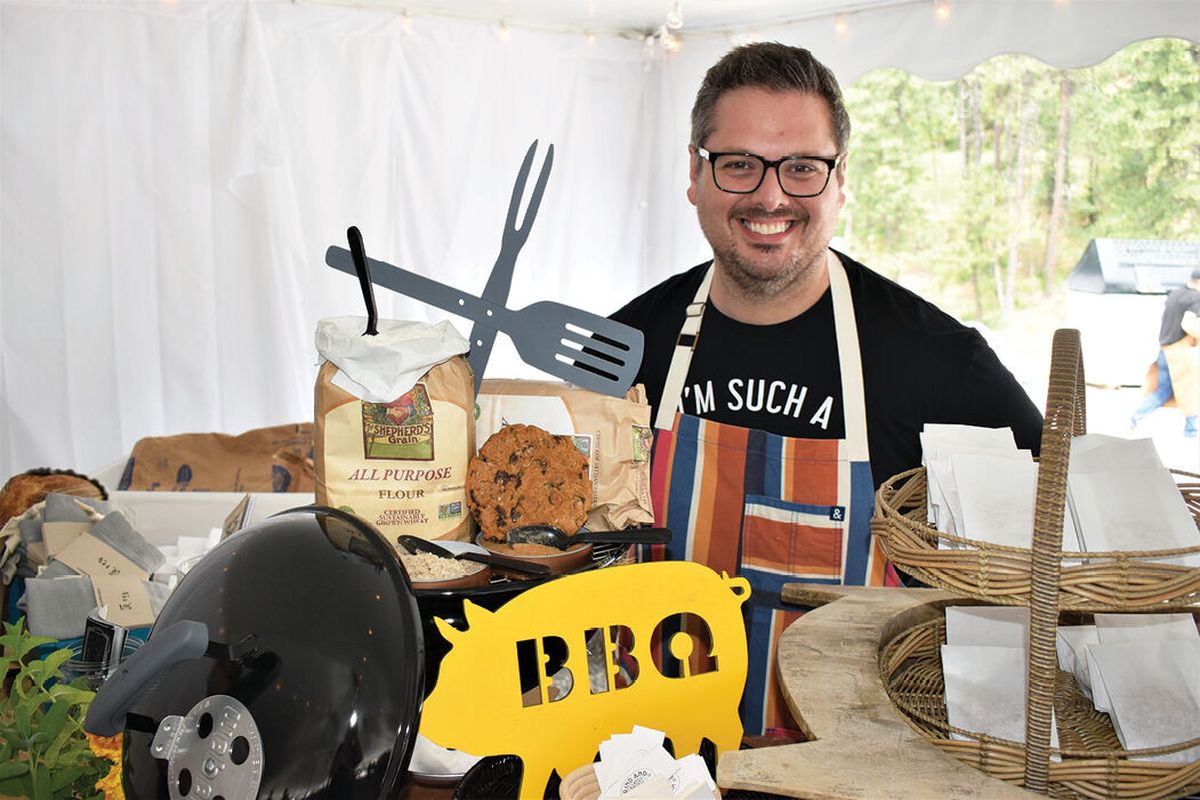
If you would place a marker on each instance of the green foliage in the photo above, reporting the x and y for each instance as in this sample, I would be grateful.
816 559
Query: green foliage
44 752
942 186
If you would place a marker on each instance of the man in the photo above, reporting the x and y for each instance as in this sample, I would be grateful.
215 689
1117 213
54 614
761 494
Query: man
802 377
1177 356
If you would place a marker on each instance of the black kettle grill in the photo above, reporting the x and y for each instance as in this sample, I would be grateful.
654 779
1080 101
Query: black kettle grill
288 663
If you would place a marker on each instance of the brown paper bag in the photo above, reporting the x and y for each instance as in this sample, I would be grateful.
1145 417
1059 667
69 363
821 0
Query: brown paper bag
276 459
613 432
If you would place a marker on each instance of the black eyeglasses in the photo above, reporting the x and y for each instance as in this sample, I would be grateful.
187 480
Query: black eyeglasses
742 173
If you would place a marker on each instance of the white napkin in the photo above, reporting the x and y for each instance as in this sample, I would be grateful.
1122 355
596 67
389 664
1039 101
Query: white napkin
1095 452
1073 641
1120 629
988 626
1154 689
985 691
381 368
1116 628
1133 509
998 497
938 441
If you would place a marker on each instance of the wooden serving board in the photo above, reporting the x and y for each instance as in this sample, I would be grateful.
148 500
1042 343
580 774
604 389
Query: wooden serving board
860 745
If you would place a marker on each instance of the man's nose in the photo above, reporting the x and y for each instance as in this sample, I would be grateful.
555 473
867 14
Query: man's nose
770 192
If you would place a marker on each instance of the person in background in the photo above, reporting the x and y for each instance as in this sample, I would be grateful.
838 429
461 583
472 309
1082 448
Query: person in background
1178 357
788 380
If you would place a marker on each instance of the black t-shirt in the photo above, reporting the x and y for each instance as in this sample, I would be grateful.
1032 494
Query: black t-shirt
919 365
1178 301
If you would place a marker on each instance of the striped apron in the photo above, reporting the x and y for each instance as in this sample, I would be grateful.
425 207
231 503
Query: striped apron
769 508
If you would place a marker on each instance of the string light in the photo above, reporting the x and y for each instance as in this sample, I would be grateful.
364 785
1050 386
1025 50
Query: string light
406 21
502 31
840 25
941 10
675 16
591 38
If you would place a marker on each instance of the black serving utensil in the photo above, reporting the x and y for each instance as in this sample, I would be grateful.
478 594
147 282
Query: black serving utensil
555 537
363 270
414 544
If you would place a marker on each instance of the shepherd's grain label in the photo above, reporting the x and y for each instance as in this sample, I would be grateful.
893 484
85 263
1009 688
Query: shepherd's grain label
402 429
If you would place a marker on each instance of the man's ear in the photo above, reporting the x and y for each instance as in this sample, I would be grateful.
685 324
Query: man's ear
694 165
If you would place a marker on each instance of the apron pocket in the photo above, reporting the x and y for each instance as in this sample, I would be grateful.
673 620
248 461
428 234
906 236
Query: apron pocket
796 539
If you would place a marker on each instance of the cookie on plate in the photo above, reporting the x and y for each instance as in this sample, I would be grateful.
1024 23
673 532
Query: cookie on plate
526 476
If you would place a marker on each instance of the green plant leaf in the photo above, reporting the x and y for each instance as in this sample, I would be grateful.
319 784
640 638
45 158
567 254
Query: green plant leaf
41 727
65 777
51 724
53 662
42 785
19 786
18 642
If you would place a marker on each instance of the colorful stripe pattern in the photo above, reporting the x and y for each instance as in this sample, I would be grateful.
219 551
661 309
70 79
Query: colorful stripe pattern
774 510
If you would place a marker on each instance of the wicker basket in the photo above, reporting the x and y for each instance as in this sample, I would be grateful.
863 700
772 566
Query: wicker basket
1108 581
1092 762
1092 765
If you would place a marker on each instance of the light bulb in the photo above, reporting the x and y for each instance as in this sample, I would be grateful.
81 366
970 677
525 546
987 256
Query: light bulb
941 10
406 21
502 31
840 25
591 38
675 16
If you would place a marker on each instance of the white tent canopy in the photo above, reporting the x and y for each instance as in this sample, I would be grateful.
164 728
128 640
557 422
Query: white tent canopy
172 172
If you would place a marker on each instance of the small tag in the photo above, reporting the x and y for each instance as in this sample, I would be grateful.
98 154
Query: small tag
237 518
837 514
92 557
127 601
58 535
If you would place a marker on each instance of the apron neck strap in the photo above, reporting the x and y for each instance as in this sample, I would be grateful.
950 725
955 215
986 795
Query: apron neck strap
854 407
681 358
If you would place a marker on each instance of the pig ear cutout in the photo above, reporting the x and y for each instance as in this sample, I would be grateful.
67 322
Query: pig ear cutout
450 633
739 586
471 612
474 614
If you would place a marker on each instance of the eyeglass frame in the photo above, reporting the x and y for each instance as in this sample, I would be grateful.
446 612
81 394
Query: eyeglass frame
711 158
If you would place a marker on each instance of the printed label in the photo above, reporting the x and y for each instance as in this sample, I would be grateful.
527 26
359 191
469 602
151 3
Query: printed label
401 429
418 495
643 443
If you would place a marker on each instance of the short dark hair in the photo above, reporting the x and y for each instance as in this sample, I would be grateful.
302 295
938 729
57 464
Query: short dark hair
774 66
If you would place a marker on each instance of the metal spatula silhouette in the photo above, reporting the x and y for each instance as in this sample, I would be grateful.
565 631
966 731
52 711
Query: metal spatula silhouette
549 336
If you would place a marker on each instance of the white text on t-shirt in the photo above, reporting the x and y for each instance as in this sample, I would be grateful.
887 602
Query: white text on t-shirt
754 395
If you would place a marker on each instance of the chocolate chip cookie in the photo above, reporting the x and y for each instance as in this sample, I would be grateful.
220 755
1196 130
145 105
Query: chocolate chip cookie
526 476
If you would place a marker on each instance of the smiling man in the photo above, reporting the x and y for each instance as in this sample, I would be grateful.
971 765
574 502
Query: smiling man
788 380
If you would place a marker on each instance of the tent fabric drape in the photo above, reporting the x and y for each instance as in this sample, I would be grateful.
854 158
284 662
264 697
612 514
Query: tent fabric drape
172 173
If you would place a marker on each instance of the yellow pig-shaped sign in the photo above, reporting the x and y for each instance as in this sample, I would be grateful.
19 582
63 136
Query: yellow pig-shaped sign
481 706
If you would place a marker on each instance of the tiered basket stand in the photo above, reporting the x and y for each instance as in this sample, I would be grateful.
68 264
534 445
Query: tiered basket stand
1090 762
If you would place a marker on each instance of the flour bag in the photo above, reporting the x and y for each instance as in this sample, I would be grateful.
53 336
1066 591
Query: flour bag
395 426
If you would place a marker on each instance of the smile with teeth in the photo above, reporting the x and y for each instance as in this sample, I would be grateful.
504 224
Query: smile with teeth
768 227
